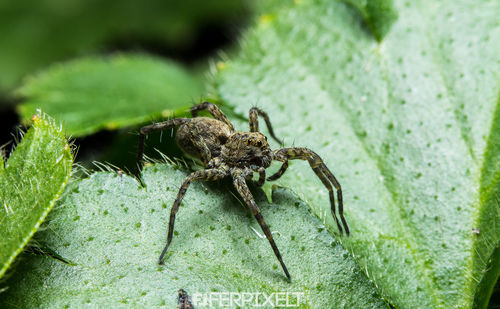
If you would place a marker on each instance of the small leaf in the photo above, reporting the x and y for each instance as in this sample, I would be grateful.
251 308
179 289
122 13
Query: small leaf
92 94
31 181
114 230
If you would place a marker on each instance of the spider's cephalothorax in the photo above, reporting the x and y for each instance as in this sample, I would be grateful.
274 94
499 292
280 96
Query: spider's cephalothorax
225 152
247 149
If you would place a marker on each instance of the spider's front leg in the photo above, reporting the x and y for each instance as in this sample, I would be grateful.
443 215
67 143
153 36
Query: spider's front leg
254 122
242 188
321 170
203 175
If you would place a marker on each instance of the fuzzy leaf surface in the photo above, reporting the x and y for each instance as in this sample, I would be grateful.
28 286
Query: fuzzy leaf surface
32 180
410 127
113 231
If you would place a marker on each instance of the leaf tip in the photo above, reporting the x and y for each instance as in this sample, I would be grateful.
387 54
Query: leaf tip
379 15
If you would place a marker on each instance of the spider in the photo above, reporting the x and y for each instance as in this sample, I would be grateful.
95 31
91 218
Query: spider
184 300
226 152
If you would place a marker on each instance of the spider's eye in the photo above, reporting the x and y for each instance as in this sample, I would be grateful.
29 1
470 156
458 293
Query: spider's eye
248 142
259 143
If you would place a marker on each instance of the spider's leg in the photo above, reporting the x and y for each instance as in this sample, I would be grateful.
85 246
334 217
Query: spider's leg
262 176
153 128
203 175
241 186
321 170
326 171
254 122
327 184
214 110
280 172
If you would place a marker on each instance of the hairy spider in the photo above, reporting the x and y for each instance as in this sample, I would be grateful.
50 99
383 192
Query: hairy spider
184 300
225 152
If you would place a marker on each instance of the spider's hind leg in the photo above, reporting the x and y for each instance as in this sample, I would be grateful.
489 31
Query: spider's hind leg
321 170
153 128
214 110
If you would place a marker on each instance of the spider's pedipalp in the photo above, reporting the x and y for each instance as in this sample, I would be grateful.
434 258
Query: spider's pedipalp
321 170
262 176
203 175
242 188
280 172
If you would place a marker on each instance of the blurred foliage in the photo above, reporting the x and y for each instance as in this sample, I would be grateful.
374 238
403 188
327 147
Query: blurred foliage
35 33
91 94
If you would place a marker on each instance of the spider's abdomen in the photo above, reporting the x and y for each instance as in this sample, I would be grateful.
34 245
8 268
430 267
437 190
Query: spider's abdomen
203 133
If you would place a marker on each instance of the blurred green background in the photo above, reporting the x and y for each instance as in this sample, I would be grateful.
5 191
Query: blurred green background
37 34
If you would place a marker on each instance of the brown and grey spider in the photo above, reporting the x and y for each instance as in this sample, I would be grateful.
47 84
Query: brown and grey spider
225 152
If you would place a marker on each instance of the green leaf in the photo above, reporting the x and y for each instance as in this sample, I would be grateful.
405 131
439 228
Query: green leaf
113 230
37 33
488 217
31 181
410 127
92 94
378 14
